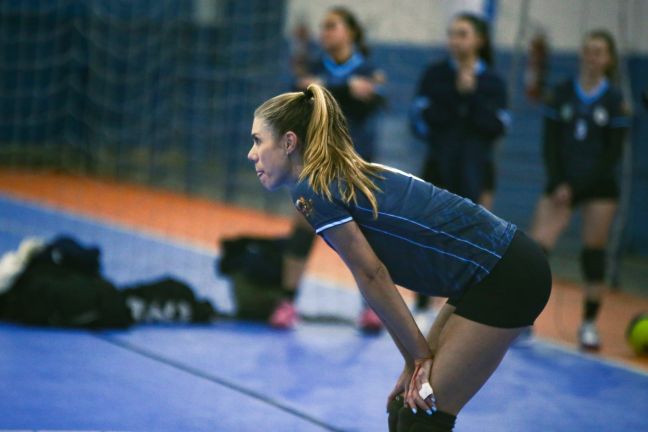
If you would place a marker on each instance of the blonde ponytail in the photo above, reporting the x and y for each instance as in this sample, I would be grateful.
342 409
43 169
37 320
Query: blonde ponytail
327 150
329 153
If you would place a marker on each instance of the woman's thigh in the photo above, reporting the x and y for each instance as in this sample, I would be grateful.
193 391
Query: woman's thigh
467 355
549 221
598 216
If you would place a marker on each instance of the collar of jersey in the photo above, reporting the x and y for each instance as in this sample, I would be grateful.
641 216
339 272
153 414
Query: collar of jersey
594 94
345 68
479 67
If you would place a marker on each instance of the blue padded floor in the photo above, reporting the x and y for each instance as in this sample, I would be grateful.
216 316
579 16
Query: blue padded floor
245 377
66 380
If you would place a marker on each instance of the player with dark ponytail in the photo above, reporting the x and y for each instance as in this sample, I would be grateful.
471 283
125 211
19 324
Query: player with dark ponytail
391 228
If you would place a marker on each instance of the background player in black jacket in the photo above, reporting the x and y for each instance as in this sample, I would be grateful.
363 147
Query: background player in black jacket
584 127
460 110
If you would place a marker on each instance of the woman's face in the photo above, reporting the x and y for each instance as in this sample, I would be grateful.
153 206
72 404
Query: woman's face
335 33
463 40
595 56
269 156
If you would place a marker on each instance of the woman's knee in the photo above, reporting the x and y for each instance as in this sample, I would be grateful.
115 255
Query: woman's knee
549 221
467 355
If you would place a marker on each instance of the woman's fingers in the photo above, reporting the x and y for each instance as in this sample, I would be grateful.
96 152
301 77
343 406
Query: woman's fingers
394 393
427 394
422 400
361 88
411 398
420 394
400 389
416 402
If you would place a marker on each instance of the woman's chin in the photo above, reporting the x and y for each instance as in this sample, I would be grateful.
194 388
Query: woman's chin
269 185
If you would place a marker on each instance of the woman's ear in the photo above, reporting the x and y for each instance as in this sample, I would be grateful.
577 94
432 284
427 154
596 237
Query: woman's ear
290 142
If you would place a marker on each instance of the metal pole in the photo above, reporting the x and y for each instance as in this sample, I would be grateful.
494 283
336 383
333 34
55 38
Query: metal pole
615 248
520 39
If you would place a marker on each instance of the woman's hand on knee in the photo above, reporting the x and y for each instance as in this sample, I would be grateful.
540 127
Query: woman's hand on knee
419 394
402 384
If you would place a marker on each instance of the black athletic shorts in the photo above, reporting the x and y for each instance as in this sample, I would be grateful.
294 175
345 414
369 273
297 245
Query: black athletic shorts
608 190
515 291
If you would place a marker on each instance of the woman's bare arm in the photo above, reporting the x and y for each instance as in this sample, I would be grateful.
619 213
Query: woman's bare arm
377 287
434 334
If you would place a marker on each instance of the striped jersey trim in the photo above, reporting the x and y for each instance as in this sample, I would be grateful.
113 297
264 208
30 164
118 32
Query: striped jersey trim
396 170
424 246
332 224
436 231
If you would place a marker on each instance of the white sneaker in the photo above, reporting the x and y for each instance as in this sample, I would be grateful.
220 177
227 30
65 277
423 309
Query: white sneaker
588 336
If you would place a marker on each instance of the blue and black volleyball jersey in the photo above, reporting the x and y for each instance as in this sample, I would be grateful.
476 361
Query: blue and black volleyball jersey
583 135
431 241
335 77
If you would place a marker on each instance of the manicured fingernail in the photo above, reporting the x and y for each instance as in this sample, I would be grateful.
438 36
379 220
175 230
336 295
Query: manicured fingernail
429 412
414 410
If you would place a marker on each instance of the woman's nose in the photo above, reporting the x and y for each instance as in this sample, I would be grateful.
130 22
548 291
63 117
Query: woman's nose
252 155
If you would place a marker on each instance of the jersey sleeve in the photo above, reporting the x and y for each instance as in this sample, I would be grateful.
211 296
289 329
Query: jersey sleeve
619 112
550 136
422 101
433 108
320 212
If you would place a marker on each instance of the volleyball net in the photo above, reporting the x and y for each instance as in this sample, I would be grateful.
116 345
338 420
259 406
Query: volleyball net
160 93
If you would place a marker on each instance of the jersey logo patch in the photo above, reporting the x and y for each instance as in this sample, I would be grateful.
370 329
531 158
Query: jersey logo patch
600 116
566 112
304 206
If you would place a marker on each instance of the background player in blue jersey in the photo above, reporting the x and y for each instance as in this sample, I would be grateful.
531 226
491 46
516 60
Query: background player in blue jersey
344 69
584 127
393 228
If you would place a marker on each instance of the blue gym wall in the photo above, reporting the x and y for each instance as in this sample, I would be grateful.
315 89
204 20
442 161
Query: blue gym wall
228 84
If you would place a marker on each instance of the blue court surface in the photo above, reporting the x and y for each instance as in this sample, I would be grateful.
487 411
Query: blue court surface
231 376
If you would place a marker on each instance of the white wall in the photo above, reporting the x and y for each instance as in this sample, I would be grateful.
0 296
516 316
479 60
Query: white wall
566 21
424 21
384 20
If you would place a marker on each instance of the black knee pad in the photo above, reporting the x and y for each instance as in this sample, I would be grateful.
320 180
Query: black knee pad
593 264
393 409
300 241
421 422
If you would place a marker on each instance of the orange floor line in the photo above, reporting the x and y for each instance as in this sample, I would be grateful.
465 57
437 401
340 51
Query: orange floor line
205 222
